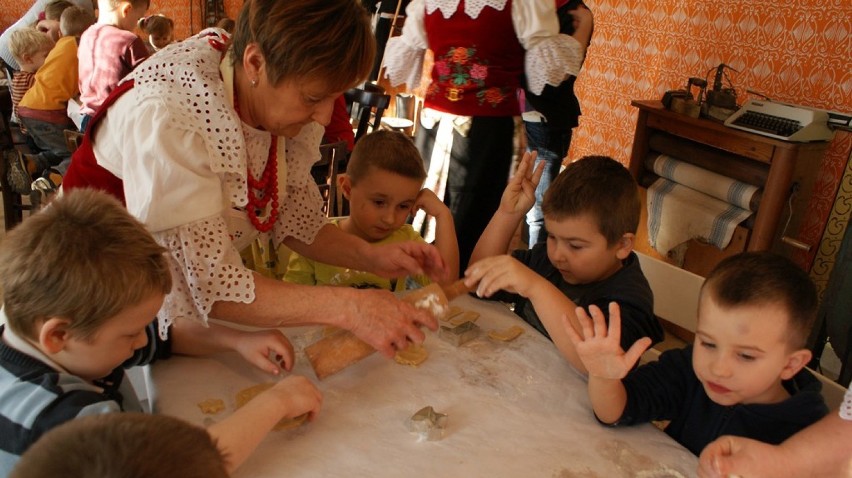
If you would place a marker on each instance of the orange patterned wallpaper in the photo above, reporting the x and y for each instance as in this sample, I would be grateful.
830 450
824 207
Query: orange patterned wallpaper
797 51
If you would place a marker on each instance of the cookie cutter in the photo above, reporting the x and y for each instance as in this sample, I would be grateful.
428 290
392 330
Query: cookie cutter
459 334
428 424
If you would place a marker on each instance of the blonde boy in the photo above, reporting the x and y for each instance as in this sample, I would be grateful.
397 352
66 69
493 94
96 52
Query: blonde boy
591 212
383 185
29 47
82 282
744 374
109 50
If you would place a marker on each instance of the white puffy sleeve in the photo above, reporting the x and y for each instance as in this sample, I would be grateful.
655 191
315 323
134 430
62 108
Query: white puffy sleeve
550 56
404 53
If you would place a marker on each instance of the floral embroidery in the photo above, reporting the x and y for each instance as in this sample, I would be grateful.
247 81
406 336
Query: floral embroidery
459 70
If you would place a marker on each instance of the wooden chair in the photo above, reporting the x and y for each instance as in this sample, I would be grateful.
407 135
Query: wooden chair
10 141
367 107
676 293
325 172
73 139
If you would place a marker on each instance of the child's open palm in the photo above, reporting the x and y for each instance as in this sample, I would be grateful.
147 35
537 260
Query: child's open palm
519 195
600 347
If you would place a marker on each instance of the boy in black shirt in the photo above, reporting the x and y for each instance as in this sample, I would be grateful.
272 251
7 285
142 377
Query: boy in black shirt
591 212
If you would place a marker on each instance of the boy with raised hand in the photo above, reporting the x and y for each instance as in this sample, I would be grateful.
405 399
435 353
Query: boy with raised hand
384 186
744 375
591 212
82 283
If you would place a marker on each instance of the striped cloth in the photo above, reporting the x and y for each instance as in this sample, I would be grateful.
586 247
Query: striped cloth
688 202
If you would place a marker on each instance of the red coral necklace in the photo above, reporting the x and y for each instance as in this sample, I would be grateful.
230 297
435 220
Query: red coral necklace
263 191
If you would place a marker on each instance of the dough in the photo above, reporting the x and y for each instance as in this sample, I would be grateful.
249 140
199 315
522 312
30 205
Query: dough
506 335
454 311
211 406
466 316
246 395
414 355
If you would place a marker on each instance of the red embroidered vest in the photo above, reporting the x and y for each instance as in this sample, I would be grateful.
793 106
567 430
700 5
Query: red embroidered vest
84 171
478 63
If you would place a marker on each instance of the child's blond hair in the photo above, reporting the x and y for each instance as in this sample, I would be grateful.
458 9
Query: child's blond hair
83 258
54 10
75 21
390 151
26 42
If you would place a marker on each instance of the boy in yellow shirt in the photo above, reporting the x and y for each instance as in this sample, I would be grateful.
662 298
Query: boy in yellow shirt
383 184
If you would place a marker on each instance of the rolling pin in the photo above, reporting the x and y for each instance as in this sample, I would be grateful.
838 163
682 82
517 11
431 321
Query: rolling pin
341 349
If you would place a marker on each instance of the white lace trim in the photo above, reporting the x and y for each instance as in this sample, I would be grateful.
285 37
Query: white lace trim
188 75
403 64
551 60
205 269
846 406
205 264
472 8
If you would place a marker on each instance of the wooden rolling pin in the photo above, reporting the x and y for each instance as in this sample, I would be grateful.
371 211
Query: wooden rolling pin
341 349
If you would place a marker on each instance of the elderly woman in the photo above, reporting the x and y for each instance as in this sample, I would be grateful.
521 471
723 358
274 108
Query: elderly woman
211 143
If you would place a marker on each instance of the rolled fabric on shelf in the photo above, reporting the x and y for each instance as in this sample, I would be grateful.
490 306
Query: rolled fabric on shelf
716 185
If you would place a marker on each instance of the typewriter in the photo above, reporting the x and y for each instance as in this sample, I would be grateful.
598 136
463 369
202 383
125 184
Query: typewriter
782 121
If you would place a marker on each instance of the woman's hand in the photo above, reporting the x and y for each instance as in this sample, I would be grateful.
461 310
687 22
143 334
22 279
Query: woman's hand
268 350
405 258
385 322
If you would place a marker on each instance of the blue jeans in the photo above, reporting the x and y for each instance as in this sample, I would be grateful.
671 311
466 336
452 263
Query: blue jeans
49 138
552 147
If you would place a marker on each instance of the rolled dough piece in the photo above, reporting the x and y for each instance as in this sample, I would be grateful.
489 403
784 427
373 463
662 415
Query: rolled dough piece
414 355
506 335
454 311
466 316
246 395
211 406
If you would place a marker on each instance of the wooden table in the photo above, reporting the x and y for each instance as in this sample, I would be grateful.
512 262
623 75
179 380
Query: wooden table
515 409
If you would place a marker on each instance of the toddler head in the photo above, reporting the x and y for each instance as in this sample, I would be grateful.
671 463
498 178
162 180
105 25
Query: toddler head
755 314
75 21
130 445
82 279
591 212
29 47
124 14
48 22
160 30
384 175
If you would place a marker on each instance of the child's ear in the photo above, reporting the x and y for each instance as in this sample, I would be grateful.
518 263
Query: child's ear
345 185
795 362
624 246
54 334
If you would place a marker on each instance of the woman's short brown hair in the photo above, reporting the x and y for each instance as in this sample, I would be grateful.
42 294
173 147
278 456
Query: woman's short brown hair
323 39
83 258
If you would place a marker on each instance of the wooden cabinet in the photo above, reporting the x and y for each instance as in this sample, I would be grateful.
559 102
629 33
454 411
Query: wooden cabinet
785 171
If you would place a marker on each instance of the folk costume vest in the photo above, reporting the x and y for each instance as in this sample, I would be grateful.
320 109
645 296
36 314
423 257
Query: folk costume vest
479 62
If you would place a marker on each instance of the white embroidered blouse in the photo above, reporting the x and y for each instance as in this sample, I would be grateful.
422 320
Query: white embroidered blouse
550 56
182 152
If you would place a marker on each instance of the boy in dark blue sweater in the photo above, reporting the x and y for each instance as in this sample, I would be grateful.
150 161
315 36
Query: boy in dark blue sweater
744 375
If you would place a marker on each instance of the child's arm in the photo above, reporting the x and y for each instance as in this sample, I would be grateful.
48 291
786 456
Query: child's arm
445 230
238 435
504 272
583 23
605 360
518 198
265 349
